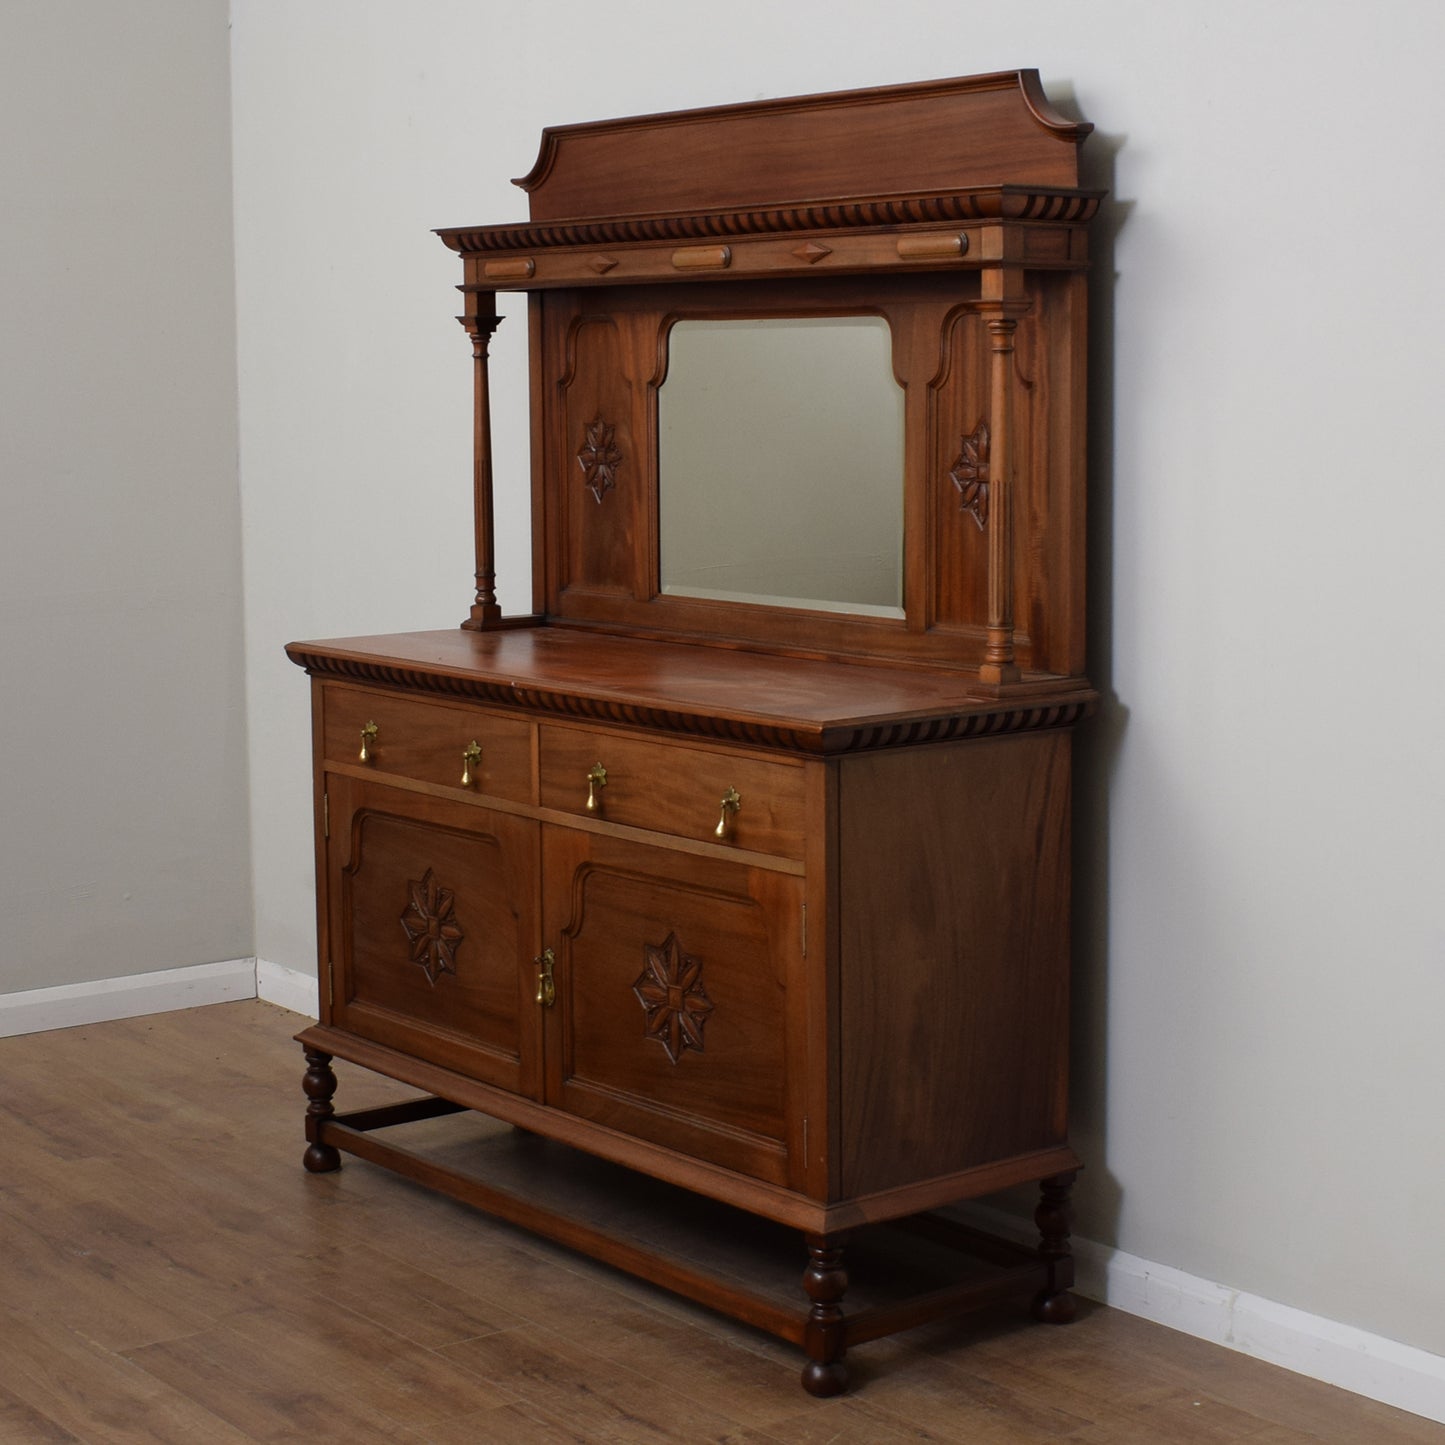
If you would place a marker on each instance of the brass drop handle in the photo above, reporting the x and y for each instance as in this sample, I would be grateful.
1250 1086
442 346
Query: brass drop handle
471 762
546 986
596 780
368 741
732 801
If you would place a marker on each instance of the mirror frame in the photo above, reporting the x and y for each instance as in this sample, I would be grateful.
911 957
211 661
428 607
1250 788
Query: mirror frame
971 242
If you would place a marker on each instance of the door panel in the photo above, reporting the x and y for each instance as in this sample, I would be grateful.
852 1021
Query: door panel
673 976
433 911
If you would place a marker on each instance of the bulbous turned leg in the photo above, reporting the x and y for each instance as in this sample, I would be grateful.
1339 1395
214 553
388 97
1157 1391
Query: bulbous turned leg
1053 1304
824 1282
319 1084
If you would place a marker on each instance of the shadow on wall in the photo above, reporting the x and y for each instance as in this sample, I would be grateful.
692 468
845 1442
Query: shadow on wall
1098 1195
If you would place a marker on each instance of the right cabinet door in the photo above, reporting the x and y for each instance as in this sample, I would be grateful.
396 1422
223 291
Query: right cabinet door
675 974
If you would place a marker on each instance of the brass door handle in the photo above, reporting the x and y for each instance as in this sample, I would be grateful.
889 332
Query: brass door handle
546 985
471 762
368 741
732 801
596 781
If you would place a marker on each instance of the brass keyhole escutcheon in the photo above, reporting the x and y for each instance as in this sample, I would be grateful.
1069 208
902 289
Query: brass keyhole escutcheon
596 781
368 741
471 763
546 985
732 801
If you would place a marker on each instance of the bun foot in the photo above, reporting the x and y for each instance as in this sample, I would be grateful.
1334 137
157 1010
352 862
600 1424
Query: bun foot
321 1159
1054 1309
825 1380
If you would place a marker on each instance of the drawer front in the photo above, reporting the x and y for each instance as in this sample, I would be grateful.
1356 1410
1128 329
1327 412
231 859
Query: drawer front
674 788
428 741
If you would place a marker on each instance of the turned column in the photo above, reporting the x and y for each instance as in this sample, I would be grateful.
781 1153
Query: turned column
824 1282
480 321
1001 318
319 1084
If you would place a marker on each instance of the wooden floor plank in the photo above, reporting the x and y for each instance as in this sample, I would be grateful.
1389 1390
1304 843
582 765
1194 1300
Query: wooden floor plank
584 1395
171 1274
80 1387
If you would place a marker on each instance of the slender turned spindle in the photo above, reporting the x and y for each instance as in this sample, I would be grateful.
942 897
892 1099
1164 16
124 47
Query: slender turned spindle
998 657
480 322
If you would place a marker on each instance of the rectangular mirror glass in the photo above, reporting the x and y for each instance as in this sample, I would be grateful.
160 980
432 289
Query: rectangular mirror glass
780 464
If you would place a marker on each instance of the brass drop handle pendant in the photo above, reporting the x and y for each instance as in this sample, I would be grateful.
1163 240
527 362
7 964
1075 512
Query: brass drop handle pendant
471 762
546 986
368 741
596 781
732 801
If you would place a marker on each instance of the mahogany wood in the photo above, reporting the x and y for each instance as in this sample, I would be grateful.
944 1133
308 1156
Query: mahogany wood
794 705
674 788
825 1282
319 1084
704 1252
767 903
428 741
977 130
1053 1304
533 1213
480 321
434 912
950 982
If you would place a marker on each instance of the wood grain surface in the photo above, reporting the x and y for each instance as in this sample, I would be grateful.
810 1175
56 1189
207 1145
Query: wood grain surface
171 1275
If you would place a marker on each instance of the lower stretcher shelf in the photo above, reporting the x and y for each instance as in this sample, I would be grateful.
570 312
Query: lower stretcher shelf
897 1275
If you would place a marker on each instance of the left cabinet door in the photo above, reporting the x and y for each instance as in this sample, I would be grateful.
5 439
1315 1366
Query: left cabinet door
432 917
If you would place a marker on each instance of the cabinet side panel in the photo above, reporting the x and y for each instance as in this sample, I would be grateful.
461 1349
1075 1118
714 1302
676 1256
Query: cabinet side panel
954 957
319 829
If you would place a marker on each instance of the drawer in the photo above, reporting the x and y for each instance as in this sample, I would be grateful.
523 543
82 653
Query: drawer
427 741
674 788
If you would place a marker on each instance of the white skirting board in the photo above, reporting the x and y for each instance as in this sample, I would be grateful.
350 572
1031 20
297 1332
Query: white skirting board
288 987
34 1010
1355 1360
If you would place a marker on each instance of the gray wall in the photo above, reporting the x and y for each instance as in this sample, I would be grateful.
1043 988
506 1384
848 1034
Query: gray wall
124 843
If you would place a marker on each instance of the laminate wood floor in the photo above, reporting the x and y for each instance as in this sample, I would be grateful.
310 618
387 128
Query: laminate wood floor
171 1274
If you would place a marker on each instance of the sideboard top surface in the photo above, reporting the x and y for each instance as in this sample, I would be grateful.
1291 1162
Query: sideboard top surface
800 704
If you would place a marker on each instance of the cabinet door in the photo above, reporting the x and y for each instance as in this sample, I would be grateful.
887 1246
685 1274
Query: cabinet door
433 927
674 976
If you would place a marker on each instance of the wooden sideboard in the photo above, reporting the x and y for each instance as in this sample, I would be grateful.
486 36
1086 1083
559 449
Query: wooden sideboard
754 895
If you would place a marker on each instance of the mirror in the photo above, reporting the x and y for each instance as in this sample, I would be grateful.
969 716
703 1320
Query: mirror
780 464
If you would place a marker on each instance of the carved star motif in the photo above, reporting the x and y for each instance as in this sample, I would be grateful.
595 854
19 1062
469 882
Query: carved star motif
970 474
429 922
599 458
670 991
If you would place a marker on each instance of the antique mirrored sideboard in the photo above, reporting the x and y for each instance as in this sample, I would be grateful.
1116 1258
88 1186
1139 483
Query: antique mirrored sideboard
719 907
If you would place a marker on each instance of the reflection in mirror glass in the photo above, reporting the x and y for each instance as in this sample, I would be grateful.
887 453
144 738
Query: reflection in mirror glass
780 464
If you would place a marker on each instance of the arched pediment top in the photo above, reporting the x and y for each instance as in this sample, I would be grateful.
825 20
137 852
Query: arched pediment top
932 136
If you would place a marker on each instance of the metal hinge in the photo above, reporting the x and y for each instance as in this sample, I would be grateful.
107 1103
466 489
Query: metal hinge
330 984
326 815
